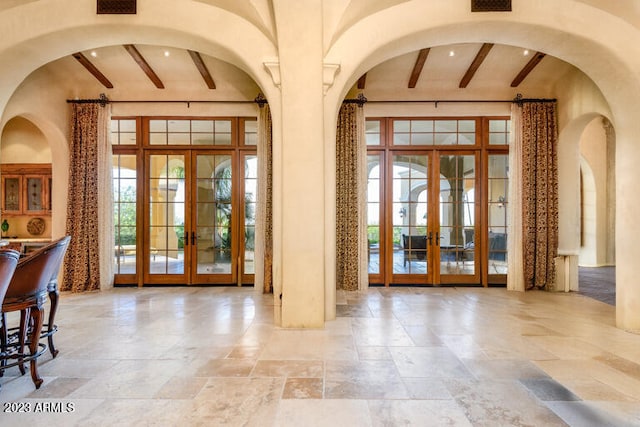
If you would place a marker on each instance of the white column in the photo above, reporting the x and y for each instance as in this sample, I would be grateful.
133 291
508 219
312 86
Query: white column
299 232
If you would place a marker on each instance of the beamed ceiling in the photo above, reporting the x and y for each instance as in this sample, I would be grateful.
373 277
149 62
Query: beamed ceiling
482 69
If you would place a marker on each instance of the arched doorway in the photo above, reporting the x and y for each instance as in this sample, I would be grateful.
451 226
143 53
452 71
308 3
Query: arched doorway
597 206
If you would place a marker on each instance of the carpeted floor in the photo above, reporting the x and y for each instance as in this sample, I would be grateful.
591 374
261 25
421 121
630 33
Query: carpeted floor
598 283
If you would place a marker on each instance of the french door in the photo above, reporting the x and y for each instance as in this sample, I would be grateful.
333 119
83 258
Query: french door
423 217
194 232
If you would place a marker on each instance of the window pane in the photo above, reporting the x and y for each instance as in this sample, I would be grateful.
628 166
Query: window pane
202 126
127 138
178 126
202 139
466 138
372 132
497 125
123 132
467 126
158 138
446 126
127 125
499 132
446 139
223 139
401 139
250 132
223 126
157 125
497 139
373 139
179 139
372 126
124 213
401 126
422 126
422 139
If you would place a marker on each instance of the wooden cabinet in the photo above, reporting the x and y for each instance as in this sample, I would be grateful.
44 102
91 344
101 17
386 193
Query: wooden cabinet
26 189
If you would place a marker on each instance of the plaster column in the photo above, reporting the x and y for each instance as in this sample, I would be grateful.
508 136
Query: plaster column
299 172
627 225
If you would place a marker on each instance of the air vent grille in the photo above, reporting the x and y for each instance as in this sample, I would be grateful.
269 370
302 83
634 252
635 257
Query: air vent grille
490 5
116 7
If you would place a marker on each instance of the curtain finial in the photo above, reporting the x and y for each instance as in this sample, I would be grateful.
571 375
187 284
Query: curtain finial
103 99
261 100
518 99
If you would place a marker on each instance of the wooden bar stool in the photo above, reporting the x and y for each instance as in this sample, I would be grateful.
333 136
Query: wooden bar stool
8 262
27 293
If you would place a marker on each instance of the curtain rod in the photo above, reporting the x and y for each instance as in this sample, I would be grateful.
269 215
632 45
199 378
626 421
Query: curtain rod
518 100
360 99
103 100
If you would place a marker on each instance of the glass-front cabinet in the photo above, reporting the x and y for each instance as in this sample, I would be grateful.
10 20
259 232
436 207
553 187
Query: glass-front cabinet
26 189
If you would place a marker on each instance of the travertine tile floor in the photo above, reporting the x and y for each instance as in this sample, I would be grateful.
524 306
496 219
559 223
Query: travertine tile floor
403 356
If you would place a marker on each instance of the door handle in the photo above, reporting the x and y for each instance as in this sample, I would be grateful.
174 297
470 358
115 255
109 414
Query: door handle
429 238
193 237
185 238
437 238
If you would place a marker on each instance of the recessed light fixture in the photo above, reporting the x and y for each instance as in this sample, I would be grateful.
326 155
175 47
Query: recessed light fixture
452 53
526 52
167 53
94 53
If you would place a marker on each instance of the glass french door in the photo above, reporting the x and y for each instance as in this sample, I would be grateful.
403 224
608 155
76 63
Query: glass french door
410 245
423 217
193 226
457 218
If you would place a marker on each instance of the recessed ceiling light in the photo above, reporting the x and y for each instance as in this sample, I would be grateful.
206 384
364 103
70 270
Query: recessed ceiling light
94 53
525 52
452 53
167 53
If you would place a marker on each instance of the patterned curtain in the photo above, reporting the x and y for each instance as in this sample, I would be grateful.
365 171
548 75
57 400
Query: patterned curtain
351 242
89 207
539 193
264 221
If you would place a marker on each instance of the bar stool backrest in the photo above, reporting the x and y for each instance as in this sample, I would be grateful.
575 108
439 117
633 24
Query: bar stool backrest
33 273
8 262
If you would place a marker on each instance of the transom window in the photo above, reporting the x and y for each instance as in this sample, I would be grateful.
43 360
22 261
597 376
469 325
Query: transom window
434 132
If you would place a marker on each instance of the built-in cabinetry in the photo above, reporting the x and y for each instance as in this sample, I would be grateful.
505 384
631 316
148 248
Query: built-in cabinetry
26 189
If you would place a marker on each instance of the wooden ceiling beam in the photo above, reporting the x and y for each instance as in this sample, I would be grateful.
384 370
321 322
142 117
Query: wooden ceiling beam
142 63
477 61
527 69
362 81
202 68
417 67
93 70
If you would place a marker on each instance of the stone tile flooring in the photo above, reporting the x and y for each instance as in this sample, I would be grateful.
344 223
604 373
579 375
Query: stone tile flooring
402 356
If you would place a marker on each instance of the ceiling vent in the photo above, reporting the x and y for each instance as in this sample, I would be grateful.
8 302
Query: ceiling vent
116 7
490 5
